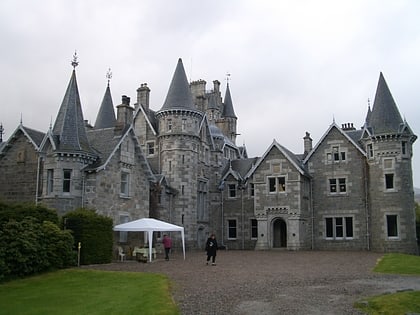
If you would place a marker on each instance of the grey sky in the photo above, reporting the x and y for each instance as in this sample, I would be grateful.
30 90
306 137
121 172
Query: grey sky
295 65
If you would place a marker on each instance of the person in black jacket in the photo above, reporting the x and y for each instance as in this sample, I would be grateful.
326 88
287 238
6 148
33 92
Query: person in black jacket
211 248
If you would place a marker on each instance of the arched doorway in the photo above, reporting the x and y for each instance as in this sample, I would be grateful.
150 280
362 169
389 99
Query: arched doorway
279 233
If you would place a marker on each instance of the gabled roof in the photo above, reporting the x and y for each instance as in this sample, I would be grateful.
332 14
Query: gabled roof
179 94
106 115
35 137
150 119
385 117
69 133
357 133
228 108
107 145
291 157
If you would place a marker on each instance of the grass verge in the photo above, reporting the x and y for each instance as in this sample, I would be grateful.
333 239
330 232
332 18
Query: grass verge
398 303
75 291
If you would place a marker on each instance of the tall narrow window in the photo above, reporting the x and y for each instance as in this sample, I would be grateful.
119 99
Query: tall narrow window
389 181
232 229
333 185
336 154
251 189
66 180
150 148
169 125
50 181
370 150
184 124
125 180
281 184
232 190
254 228
392 225
404 147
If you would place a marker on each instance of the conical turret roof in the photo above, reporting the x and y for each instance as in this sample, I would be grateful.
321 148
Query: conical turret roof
106 115
228 108
385 117
179 94
69 127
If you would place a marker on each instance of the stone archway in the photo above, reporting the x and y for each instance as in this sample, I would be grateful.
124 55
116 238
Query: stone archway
279 233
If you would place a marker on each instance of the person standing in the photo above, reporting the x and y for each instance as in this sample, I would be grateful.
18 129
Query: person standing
167 244
211 248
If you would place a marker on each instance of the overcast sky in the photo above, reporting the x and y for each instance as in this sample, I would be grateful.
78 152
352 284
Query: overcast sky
295 65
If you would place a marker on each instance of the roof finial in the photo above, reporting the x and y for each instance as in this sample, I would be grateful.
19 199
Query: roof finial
109 75
21 118
227 77
74 62
368 102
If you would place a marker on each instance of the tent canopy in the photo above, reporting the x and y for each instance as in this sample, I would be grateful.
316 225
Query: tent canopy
150 225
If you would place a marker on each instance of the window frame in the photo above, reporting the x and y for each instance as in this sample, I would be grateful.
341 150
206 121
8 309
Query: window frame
232 227
50 181
232 187
125 184
337 186
389 181
275 182
254 229
67 177
339 228
395 226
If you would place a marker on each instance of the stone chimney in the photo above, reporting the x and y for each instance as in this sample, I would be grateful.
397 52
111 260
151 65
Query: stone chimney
143 94
347 127
198 88
216 87
307 143
124 113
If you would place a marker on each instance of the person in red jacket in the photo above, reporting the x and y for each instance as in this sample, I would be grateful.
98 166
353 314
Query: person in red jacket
211 248
167 244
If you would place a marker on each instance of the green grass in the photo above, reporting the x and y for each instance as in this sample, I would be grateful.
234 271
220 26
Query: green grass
76 291
397 303
399 264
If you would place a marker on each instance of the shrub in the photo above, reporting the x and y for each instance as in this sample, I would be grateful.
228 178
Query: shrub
94 232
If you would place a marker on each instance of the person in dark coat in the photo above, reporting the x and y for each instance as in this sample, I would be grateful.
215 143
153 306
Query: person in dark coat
167 244
211 248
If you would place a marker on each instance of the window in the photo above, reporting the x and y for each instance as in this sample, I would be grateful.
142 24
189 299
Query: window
251 190
339 228
392 225
254 228
404 147
232 229
389 181
150 148
123 235
66 180
277 184
232 190
125 180
169 125
337 185
336 155
370 150
50 181
184 124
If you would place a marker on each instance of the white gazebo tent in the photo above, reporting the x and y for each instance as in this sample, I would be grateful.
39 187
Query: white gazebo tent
150 225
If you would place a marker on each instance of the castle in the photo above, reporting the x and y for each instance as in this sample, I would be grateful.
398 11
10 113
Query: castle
353 190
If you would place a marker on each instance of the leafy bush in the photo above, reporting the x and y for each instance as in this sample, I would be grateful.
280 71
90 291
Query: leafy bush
31 244
94 232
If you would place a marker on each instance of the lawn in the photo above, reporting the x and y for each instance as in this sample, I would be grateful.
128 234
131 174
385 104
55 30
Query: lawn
76 291
397 303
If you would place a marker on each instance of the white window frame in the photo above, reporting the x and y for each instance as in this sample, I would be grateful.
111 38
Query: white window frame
335 226
277 184
67 180
125 184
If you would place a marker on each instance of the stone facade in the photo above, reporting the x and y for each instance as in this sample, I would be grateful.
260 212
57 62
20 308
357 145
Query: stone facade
352 191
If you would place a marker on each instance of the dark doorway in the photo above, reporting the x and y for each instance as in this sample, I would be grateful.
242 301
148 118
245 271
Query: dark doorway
279 234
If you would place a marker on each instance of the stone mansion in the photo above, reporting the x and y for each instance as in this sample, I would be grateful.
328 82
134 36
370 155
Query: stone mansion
353 190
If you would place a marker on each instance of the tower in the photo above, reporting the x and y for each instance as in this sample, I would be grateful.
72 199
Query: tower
228 121
388 143
179 149
65 151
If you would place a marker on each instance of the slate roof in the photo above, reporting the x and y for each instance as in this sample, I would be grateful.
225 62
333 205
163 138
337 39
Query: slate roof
385 117
104 142
106 115
34 136
228 108
69 131
179 94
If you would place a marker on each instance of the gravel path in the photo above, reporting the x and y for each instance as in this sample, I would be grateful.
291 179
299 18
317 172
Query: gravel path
272 282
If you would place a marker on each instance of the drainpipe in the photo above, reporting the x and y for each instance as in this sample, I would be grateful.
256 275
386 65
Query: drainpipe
221 187
367 209
37 181
312 212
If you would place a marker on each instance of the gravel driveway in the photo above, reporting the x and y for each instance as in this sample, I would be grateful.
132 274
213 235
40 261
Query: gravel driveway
272 282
